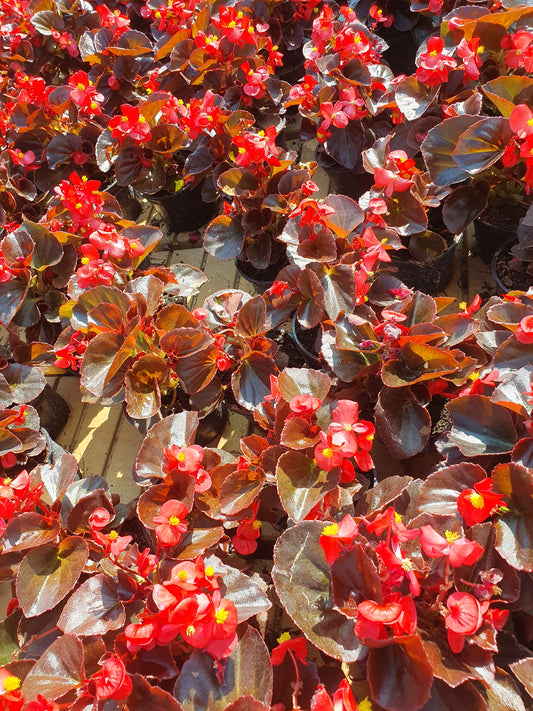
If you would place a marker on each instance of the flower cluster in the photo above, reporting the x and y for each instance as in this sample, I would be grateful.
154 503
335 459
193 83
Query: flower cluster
189 604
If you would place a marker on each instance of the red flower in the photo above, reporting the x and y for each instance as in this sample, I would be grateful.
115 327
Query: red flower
248 531
524 330
10 696
521 50
131 123
397 174
187 460
286 645
434 65
343 699
460 551
335 537
304 405
5 271
477 504
327 455
234 25
469 53
373 617
170 525
84 94
112 682
464 617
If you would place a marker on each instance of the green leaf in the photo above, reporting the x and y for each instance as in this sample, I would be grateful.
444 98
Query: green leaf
251 381
12 295
482 144
413 98
146 697
302 579
481 426
439 492
224 237
29 530
247 672
303 381
338 283
406 684
93 609
178 429
402 423
419 362
59 669
48 573
507 92
302 484
237 181
438 146
312 305
514 530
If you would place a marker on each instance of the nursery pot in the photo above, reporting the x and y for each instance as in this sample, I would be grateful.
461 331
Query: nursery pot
506 278
130 206
262 279
493 229
306 341
431 275
209 427
183 211
346 181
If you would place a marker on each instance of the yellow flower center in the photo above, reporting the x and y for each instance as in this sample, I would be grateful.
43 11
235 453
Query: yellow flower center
181 457
327 452
113 536
78 205
397 517
142 119
285 637
232 24
11 683
94 105
81 86
451 536
124 119
477 500
173 520
407 565
221 616
190 630
331 530
364 705
182 575
242 150
85 260
209 571
256 525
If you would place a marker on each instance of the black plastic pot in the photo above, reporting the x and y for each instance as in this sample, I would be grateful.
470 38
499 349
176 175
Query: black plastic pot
183 211
130 206
313 334
508 279
352 183
209 427
430 276
262 279
490 237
